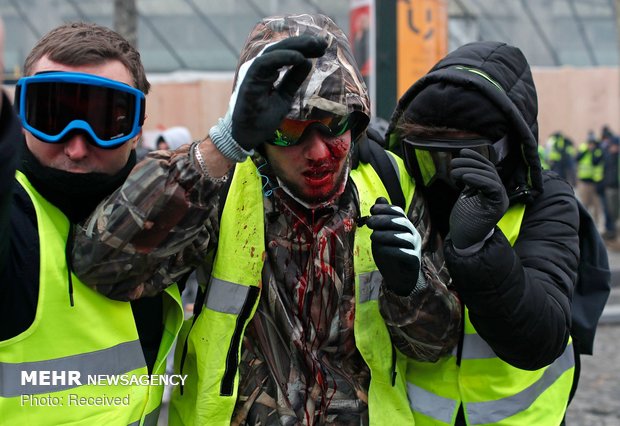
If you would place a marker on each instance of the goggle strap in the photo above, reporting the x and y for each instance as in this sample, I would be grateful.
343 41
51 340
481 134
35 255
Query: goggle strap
142 111
17 97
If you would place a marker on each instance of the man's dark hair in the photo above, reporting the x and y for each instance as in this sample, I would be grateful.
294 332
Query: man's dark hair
80 43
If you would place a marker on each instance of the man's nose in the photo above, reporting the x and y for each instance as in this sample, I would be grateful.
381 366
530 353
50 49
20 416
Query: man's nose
77 147
316 147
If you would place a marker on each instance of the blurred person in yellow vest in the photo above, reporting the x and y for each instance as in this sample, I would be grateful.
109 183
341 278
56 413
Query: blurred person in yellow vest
590 170
542 155
561 157
609 191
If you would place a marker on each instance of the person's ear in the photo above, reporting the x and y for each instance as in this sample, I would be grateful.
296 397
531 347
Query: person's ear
134 142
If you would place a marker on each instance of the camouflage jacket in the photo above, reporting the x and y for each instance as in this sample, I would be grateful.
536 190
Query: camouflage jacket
299 363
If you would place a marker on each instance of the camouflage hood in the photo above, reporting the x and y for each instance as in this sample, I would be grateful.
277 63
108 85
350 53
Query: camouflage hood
501 75
334 85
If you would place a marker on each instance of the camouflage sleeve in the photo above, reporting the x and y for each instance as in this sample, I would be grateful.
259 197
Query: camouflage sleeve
426 324
152 231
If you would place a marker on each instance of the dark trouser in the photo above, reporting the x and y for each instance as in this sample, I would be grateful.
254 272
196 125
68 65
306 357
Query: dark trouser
610 222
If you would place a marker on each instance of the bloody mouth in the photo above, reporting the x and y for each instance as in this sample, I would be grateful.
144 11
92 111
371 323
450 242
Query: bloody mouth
318 176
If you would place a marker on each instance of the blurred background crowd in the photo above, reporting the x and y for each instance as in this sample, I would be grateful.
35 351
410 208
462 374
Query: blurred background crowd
591 166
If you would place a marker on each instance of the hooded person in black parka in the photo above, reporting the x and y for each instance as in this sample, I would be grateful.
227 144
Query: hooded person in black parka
508 232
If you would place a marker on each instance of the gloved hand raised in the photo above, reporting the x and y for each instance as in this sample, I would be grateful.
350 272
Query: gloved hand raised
256 107
396 247
482 202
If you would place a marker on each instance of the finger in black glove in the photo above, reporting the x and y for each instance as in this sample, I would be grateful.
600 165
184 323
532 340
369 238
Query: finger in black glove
260 107
482 202
396 247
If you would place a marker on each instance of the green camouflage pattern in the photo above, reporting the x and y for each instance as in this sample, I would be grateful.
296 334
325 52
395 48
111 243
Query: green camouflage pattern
335 84
299 361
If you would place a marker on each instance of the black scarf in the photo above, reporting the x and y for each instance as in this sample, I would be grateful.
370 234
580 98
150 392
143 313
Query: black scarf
75 194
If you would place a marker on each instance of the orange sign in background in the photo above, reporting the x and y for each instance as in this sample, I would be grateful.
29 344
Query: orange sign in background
421 38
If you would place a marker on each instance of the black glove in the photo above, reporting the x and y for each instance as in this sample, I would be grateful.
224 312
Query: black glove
260 108
396 247
256 107
482 202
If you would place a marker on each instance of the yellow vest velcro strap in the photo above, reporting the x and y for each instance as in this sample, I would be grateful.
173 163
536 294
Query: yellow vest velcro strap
495 411
429 404
226 297
116 360
475 347
370 283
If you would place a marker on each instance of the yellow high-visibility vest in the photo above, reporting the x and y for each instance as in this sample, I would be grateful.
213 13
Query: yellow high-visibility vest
214 340
587 170
491 391
51 373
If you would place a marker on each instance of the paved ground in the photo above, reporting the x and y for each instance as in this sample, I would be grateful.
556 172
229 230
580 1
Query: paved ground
597 402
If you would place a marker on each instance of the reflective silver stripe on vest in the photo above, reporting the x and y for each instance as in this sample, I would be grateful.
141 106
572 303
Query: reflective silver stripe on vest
475 347
495 411
225 296
116 360
441 408
150 419
435 406
370 283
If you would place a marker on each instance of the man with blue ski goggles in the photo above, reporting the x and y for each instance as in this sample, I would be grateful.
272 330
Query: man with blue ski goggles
54 105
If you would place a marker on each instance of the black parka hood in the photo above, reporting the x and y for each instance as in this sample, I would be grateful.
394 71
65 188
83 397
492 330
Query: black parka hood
502 74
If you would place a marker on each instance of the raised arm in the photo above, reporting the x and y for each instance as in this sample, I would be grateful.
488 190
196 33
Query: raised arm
162 222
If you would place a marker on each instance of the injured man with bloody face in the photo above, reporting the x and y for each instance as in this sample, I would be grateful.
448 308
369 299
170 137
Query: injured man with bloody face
303 316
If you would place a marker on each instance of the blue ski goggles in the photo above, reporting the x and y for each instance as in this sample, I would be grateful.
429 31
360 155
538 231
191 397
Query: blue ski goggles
53 104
